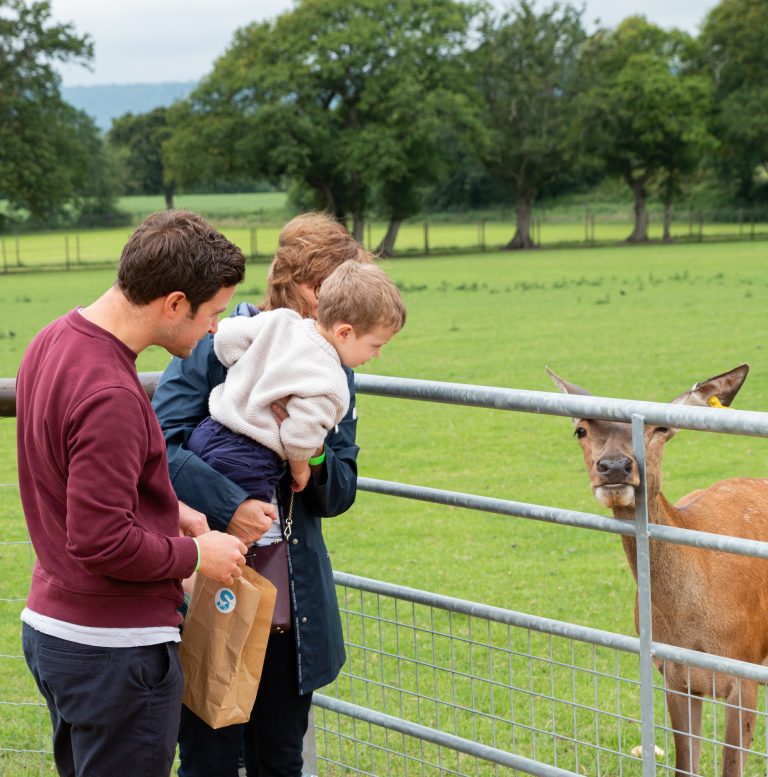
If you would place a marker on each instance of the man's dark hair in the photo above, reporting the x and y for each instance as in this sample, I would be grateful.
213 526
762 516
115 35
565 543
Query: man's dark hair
176 250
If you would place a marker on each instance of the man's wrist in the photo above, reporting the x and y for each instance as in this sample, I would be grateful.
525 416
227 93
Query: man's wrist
197 545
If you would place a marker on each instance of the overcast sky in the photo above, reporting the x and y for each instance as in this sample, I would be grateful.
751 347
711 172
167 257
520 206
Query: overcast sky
150 41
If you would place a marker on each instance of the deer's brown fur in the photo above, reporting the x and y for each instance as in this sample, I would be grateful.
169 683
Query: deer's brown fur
701 599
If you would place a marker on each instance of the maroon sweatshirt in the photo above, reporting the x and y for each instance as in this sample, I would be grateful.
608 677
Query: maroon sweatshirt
93 475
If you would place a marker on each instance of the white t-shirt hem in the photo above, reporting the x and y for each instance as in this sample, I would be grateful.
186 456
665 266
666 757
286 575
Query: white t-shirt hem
100 637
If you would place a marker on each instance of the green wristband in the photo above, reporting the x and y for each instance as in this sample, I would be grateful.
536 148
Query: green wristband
315 460
197 545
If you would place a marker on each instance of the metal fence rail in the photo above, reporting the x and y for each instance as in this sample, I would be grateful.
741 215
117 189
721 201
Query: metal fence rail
437 685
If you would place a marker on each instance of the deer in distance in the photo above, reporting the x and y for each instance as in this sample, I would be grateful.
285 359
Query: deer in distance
704 600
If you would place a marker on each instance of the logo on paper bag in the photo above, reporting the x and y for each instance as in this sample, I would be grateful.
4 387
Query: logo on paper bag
225 600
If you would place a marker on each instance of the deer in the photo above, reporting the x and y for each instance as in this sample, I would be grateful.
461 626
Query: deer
704 600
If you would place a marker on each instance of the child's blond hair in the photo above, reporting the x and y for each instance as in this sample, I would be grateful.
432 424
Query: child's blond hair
361 295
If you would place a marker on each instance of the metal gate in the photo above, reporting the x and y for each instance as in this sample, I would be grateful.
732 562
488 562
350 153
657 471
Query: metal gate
438 685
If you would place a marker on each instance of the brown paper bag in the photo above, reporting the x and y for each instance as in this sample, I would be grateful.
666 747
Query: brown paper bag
223 645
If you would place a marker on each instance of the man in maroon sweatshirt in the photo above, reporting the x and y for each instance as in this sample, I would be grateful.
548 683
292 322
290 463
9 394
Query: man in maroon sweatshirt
101 624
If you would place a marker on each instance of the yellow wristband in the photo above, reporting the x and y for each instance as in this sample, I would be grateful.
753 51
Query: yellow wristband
315 460
197 545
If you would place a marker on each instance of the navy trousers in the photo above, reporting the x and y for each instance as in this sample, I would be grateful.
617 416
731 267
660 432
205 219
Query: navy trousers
114 710
253 466
271 741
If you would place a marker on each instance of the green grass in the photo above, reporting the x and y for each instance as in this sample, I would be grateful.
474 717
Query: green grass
641 323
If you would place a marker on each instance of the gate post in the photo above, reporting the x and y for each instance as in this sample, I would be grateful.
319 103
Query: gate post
644 603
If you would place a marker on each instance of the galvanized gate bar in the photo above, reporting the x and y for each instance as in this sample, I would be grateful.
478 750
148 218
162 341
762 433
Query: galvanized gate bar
499 506
703 539
488 612
698 539
706 419
556 628
711 661
484 752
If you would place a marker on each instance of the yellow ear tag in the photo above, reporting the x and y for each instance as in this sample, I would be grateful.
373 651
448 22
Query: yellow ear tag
715 402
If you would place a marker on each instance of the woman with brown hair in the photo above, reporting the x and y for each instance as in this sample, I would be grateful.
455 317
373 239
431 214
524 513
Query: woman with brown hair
311 653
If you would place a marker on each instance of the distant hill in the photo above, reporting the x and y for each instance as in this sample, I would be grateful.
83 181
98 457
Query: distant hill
105 103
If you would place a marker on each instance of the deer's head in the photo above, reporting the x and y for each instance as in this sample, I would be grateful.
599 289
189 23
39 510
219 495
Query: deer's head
607 445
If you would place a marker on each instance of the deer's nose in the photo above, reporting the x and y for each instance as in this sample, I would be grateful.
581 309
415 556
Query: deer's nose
614 468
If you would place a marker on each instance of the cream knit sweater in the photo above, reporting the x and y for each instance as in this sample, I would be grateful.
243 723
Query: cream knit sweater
270 356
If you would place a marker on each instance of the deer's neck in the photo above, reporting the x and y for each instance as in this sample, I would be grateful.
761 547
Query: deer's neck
660 511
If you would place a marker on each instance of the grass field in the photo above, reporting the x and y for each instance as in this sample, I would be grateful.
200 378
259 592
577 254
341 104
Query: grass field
642 323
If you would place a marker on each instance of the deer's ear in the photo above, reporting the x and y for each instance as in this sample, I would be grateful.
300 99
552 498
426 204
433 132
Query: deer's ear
716 391
564 386
567 388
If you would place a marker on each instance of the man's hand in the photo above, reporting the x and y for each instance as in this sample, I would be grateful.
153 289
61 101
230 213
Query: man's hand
221 556
251 519
192 523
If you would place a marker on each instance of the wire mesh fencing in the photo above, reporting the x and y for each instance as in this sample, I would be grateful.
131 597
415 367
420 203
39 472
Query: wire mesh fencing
25 738
435 685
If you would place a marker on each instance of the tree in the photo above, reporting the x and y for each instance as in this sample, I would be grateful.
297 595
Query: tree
95 178
256 113
527 75
38 131
735 56
346 98
645 115
139 143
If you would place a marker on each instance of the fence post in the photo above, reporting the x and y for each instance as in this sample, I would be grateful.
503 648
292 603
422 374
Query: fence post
592 227
648 728
752 225
254 244
741 221
77 247
368 243
586 226
5 256
66 251
18 252
690 223
426 237
701 226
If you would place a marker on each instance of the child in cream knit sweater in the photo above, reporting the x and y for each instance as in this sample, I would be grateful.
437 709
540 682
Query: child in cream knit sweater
276 356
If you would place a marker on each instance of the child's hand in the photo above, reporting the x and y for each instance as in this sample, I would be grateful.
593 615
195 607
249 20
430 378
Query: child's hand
300 475
280 410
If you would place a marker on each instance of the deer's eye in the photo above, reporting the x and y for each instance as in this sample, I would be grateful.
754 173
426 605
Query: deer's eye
580 432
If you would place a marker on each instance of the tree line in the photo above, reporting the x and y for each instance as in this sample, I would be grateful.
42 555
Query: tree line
396 106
